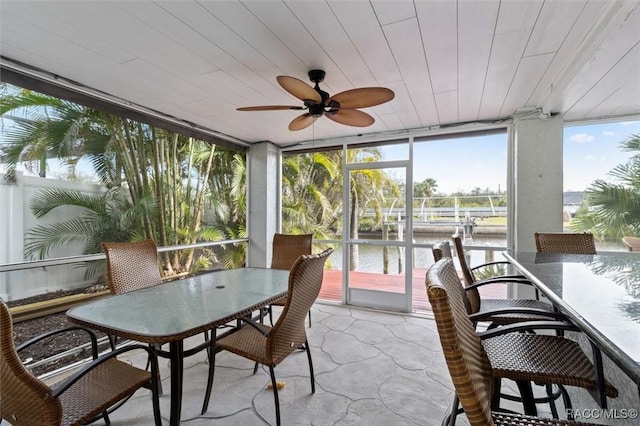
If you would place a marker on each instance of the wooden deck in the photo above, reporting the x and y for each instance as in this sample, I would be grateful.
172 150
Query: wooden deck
332 286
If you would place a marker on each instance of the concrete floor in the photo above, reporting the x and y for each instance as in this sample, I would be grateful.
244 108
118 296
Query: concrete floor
371 368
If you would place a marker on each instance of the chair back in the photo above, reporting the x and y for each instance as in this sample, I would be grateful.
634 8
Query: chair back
23 398
566 243
305 280
442 250
288 248
464 266
473 295
466 358
131 266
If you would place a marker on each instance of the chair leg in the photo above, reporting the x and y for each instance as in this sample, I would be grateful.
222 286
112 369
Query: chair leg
450 417
311 375
309 318
212 367
275 394
528 402
552 401
155 347
112 341
206 339
155 391
270 308
495 398
567 402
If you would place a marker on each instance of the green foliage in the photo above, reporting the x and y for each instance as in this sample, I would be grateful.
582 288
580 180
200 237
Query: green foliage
106 217
160 184
426 188
611 209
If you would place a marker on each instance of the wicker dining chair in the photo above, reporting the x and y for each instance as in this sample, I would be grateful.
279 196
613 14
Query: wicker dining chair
82 397
286 249
469 364
133 266
270 346
566 243
482 308
518 353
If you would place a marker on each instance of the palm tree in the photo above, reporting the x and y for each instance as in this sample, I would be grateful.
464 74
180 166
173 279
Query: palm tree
312 193
427 188
48 127
176 172
109 216
612 209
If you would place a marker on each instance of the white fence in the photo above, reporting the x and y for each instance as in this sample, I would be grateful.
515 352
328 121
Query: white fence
16 219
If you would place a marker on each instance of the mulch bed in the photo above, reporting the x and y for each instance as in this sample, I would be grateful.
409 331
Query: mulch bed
25 330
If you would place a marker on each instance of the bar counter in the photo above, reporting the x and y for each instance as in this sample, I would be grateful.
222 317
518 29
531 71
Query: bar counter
599 293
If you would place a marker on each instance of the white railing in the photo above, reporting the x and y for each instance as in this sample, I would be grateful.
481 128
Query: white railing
53 274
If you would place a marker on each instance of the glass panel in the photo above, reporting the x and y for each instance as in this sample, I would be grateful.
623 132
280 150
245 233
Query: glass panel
377 204
387 151
459 187
601 164
312 194
377 268
377 213
332 280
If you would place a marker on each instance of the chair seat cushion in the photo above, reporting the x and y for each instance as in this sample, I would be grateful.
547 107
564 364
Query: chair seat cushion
101 388
543 359
247 342
496 304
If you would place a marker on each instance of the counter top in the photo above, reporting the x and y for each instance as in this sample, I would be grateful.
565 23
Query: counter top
600 293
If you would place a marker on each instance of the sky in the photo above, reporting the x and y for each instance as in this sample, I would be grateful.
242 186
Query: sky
590 152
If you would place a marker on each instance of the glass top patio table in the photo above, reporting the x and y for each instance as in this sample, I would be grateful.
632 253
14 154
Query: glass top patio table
172 311
599 293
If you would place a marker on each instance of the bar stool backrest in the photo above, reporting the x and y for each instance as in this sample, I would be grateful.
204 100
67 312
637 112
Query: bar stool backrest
565 243
471 298
467 361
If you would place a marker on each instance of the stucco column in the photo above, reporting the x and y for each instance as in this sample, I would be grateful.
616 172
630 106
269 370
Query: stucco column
263 170
537 178
537 184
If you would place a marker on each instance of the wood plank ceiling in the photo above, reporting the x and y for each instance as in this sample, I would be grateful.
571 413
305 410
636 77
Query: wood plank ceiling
448 62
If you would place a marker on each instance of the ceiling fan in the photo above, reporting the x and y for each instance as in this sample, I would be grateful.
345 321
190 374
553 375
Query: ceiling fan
340 108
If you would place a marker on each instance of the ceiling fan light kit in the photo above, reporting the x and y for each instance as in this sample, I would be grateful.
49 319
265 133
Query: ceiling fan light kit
341 108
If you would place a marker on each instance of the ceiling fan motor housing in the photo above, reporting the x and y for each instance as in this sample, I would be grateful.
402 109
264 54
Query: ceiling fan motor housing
316 109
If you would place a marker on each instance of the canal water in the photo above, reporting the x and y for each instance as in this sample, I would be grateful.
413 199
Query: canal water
370 258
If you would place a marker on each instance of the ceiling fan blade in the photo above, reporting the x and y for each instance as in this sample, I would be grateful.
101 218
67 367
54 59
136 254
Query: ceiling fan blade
268 108
352 117
299 88
302 121
363 97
